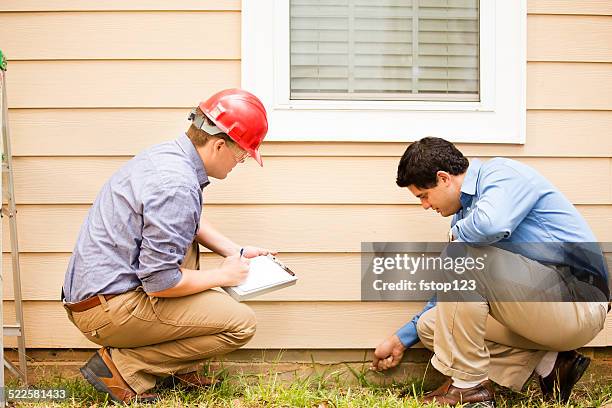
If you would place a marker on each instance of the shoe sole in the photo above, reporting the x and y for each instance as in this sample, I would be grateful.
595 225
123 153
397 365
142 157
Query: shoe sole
581 365
97 384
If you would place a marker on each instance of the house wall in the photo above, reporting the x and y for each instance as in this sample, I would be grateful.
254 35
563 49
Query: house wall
92 83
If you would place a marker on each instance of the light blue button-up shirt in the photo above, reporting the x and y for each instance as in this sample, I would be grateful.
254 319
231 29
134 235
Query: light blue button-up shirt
503 200
140 226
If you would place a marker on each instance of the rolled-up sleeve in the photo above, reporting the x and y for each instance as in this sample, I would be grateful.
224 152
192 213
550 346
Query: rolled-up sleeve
170 218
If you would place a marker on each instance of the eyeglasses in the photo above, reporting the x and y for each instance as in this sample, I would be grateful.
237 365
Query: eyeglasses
241 157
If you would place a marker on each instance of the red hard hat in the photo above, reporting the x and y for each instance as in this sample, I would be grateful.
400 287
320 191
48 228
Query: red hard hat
241 116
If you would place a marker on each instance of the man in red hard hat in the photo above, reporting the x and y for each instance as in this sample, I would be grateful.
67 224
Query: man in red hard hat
133 284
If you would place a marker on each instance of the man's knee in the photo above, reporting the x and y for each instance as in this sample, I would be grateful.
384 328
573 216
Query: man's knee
244 331
425 328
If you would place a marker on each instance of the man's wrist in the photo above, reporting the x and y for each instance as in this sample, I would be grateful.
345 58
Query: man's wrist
398 341
231 250
215 278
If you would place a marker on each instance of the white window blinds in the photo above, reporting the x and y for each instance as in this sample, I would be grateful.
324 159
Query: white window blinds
384 49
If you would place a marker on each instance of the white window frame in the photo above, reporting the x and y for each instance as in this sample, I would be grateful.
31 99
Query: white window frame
499 116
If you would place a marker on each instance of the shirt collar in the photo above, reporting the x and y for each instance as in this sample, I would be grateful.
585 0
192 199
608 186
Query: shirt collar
185 144
468 187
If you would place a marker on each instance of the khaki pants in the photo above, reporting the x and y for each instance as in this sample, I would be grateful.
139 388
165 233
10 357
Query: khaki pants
154 337
505 341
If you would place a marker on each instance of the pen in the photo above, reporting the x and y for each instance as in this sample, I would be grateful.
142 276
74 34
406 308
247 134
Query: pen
241 252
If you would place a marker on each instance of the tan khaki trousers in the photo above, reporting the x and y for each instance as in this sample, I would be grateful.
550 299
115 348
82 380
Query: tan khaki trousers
505 341
154 337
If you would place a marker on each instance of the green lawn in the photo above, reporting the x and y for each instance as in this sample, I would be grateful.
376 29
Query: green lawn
325 390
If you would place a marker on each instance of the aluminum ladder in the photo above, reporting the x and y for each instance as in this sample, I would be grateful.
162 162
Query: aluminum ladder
9 209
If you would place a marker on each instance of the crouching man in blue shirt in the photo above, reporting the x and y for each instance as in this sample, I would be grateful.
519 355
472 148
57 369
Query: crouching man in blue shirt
133 284
495 203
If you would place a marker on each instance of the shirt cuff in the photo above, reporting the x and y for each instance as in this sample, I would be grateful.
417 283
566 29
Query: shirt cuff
161 280
455 232
408 334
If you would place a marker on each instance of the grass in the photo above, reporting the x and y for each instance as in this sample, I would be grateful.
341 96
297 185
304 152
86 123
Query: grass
323 390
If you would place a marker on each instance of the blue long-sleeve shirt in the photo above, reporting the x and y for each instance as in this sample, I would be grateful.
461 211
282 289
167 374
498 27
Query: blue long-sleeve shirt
503 200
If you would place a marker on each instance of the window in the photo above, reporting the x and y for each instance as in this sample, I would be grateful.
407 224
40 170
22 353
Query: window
384 50
388 70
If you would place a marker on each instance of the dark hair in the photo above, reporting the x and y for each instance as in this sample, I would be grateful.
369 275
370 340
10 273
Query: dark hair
423 159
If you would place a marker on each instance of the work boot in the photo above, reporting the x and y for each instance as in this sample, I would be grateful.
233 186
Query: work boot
568 369
481 395
101 372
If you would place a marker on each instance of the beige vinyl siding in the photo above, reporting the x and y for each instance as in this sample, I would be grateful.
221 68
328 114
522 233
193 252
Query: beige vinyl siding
150 84
116 132
289 228
77 180
86 94
325 276
117 83
119 5
71 30
553 38
281 325
583 7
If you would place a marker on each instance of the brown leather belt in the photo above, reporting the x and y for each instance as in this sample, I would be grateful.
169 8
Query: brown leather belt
87 304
